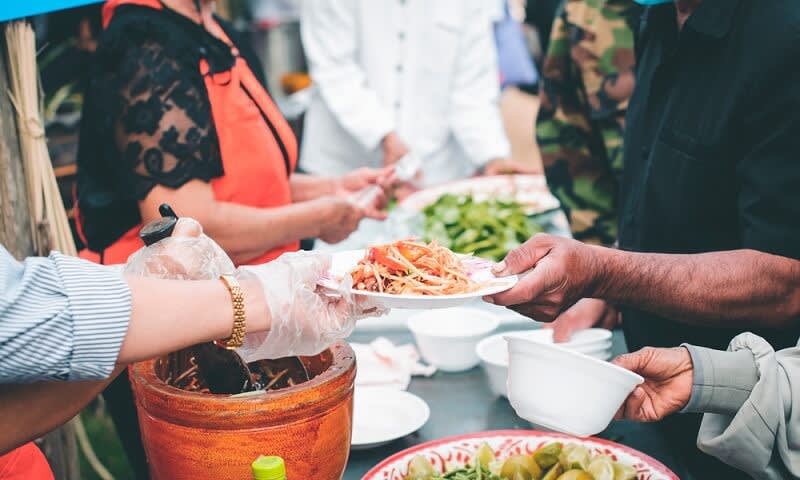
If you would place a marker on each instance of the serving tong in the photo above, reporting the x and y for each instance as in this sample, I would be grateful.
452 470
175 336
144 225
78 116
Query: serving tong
404 171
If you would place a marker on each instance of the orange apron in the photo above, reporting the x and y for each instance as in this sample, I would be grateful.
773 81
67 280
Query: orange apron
256 143
25 463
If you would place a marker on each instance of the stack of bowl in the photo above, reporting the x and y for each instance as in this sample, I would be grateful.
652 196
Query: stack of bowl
493 351
594 342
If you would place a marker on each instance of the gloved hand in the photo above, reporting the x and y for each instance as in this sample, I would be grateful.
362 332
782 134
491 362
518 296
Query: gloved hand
306 319
186 255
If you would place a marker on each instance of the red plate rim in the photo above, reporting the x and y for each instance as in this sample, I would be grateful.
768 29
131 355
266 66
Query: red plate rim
651 462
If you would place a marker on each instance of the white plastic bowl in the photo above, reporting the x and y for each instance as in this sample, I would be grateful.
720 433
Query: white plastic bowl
447 338
581 340
563 390
493 353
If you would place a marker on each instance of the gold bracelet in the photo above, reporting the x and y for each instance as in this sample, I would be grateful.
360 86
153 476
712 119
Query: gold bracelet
239 318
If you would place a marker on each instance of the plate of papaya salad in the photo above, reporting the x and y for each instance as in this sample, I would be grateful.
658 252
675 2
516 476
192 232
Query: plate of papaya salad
410 274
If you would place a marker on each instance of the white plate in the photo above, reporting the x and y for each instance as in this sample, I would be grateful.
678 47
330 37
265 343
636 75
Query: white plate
480 270
381 415
529 190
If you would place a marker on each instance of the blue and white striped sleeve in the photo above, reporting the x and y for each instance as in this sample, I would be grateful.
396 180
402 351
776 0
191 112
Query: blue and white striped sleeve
61 318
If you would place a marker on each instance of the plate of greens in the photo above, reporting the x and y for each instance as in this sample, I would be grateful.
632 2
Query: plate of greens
520 454
529 191
486 217
485 228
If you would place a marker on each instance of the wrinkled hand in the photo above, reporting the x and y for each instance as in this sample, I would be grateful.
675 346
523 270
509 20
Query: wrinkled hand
667 383
507 166
304 318
186 255
587 313
356 183
393 149
342 218
562 273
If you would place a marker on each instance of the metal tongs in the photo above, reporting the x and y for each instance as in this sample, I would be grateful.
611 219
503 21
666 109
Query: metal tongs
404 171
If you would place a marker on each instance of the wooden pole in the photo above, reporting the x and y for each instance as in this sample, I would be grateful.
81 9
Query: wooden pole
16 236
15 228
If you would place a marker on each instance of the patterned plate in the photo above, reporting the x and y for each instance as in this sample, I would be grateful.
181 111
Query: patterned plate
454 452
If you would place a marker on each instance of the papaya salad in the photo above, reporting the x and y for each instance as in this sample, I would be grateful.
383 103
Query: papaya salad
409 267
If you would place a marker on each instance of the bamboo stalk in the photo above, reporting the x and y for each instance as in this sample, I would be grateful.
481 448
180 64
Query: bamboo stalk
48 219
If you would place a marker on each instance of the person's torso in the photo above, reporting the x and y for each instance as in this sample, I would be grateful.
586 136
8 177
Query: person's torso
257 147
588 77
685 135
408 52
686 128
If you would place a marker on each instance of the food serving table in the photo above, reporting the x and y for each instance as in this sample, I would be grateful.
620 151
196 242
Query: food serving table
462 403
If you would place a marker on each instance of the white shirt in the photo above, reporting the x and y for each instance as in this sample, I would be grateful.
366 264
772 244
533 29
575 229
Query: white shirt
425 69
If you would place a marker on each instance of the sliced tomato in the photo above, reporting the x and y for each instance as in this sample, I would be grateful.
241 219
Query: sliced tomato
379 255
411 251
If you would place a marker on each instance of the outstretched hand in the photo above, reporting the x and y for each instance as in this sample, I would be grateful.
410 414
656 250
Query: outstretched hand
667 387
557 272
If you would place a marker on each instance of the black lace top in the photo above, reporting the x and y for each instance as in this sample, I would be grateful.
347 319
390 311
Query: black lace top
146 117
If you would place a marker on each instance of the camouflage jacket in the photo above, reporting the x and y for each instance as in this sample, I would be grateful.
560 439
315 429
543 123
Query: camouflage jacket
587 80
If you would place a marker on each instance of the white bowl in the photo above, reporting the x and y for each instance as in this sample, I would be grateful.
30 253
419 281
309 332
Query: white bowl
604 356
600 352
447 338
562 390
493 353
581 340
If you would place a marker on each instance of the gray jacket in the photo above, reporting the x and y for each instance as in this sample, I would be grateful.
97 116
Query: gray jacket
747 395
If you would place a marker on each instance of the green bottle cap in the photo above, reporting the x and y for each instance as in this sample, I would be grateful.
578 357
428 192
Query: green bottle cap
269 468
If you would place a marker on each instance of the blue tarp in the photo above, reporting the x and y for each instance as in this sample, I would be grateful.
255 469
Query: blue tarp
11 9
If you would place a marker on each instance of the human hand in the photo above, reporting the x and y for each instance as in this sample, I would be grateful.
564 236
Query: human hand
507 166
370 188
393 149
362 178
187 254
340 218
668 375
305 319
562 272
586 313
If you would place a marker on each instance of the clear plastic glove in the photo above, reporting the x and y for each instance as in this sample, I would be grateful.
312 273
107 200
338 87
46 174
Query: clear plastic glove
186 255
306 319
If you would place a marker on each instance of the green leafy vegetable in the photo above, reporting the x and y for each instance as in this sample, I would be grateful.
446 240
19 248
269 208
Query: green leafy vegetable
488 229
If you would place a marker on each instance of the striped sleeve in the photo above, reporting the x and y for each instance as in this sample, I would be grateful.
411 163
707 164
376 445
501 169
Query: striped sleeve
61 318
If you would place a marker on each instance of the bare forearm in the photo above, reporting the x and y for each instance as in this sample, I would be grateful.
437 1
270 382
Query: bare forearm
32 410
737 288
309 187
243 232
168 315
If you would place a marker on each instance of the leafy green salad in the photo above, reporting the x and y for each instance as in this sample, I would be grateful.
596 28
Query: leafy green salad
488 229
